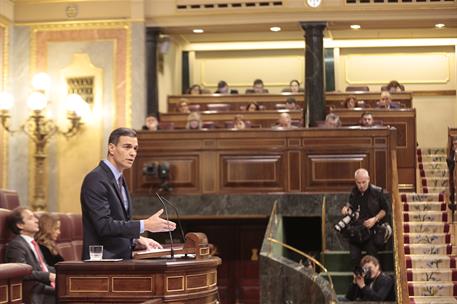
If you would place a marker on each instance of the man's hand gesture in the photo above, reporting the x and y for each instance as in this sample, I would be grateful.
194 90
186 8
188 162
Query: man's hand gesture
157 224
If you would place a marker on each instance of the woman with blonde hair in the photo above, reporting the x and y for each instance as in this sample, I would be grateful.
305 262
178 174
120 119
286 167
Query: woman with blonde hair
46 237
194 121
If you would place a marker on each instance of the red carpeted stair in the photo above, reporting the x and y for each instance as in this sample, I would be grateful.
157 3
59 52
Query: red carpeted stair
430 257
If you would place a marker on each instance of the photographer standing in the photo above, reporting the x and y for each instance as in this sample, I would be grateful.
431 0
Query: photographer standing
369 202
370 283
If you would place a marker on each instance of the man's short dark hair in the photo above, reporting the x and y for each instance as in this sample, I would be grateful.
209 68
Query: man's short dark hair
258 81
221 84
365 114
116 134
14 218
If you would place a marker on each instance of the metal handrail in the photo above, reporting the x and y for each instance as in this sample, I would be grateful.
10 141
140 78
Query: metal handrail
316 262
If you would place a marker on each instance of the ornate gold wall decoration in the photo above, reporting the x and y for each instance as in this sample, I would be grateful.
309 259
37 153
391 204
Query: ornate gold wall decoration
83 86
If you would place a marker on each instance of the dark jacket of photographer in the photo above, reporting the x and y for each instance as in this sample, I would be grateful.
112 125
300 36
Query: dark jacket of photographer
379 290
371 202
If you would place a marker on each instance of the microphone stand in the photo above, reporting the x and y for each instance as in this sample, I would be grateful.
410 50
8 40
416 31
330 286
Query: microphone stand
177 216
172 252
163 199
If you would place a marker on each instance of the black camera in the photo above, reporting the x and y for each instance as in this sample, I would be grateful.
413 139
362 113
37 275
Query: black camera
150 169
346 220
160 170
364 272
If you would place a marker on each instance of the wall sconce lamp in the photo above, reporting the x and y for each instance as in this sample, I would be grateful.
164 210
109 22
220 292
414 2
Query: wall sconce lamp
40 129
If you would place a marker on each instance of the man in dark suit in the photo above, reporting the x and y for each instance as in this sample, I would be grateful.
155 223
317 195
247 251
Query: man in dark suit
107 206
39 286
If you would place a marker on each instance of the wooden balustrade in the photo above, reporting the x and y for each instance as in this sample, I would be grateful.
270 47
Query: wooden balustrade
404 120
262 160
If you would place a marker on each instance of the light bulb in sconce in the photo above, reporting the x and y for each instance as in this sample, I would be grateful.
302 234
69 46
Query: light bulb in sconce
37 101
41 82
77 105
6 101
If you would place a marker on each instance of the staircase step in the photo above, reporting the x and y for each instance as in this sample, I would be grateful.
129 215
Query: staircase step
428 216
434 189
432 289
440 249
428 239
415 261
431 150
422 197
341 281
433 166
432 300
434 173
424 206
435 182
437 275
421 227
432 158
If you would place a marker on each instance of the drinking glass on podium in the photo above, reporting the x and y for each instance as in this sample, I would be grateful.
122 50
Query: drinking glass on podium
96 252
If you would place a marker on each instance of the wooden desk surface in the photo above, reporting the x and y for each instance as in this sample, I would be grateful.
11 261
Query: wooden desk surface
136 281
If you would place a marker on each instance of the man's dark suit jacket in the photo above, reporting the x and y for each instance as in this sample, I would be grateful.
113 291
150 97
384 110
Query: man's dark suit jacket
37 289
105 220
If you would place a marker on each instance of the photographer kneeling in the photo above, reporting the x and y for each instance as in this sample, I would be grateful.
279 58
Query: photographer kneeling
367 209
370 283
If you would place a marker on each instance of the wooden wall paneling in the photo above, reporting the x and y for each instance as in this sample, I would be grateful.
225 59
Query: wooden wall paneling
404 120
257 160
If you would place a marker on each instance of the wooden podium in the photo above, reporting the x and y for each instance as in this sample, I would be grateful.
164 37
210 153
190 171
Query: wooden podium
158 280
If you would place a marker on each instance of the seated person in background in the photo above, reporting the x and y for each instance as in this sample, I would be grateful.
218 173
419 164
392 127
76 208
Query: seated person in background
332 121
195 90
39 287
150 123
257 88
291 104
366 119
238 122
385 102
194 121
284 122
294 87
183 107
370 283
252 107
46 237
394 87
350 102
223 88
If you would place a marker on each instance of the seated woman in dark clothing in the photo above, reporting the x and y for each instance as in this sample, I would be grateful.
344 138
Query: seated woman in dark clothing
370 283
46 237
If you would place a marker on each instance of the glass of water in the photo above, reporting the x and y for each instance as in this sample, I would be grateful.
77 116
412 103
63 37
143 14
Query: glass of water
96 252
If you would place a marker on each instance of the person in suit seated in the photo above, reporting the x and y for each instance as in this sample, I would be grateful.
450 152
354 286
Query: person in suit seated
252 107
39 287
366 119
223 88
194 121
332 121
257 88
284 122
195 90
107 206
370 283
150 123
394 87
49 231
385 102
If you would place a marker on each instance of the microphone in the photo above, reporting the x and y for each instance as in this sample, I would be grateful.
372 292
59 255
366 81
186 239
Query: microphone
177 216
172 252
